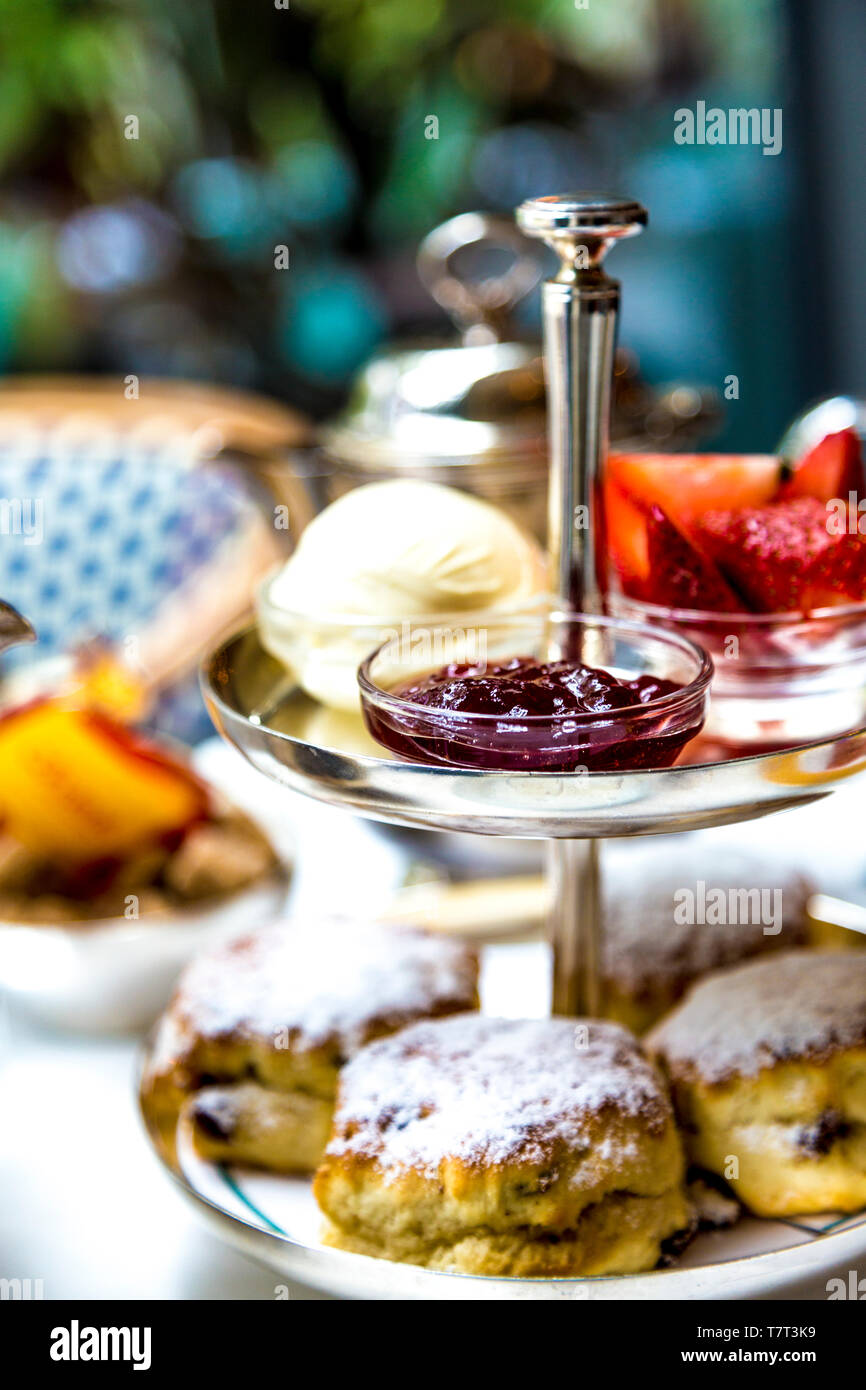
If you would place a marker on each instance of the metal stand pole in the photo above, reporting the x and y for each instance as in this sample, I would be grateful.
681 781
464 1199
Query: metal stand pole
580 306
575 928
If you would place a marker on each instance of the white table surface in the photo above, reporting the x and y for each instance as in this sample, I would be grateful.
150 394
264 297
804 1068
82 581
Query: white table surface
85 1205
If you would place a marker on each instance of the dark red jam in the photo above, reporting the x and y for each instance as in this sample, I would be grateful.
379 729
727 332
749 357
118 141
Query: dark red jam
558 716
522 687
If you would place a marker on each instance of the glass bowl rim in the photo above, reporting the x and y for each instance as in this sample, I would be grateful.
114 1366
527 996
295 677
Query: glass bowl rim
698 686
787 617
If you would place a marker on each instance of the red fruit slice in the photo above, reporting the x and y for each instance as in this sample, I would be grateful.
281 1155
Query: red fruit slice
782 558
839 575
626 536
686 485
680 574
832 469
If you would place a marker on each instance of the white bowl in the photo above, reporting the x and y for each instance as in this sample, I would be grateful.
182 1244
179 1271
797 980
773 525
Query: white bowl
116 975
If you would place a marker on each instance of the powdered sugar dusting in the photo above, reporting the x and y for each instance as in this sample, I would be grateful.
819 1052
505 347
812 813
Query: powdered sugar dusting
798 1005
331 982
645 944
490 1091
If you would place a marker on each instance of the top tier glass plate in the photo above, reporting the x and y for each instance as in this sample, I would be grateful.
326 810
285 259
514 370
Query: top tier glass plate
257 707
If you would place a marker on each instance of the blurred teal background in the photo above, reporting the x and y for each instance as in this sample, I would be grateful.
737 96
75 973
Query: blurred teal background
260 126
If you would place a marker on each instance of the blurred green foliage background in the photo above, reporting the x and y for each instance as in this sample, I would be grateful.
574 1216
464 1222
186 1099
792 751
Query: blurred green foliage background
154 154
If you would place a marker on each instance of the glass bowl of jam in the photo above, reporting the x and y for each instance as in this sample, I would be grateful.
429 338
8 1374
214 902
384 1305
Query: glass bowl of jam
561 692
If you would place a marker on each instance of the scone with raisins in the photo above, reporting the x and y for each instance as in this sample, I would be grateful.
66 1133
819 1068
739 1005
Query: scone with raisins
495 1146
767 1066
249 1051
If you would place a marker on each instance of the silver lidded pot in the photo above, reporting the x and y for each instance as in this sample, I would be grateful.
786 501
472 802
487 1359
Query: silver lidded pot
472 413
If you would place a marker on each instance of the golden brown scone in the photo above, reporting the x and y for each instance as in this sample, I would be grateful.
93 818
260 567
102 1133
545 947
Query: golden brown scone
652 953
251 1045
494 1146
767 1064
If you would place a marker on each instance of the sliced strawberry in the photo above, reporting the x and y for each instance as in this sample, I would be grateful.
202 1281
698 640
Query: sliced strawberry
686 485
832 469
783 558
626 536
838 576
681 575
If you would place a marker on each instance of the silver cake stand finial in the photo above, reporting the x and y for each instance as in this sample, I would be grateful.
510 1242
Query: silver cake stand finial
580 308
581 305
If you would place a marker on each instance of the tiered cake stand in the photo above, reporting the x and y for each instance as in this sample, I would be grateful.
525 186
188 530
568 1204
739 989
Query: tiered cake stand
256 708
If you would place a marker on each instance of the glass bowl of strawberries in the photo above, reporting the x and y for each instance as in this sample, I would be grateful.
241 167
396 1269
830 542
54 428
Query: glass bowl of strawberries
761 560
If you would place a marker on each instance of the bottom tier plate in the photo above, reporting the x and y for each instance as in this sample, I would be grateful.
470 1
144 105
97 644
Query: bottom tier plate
276 1221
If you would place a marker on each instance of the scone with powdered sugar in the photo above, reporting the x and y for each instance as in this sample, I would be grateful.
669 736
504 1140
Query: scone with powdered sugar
249 1051
767 1065
495 1146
